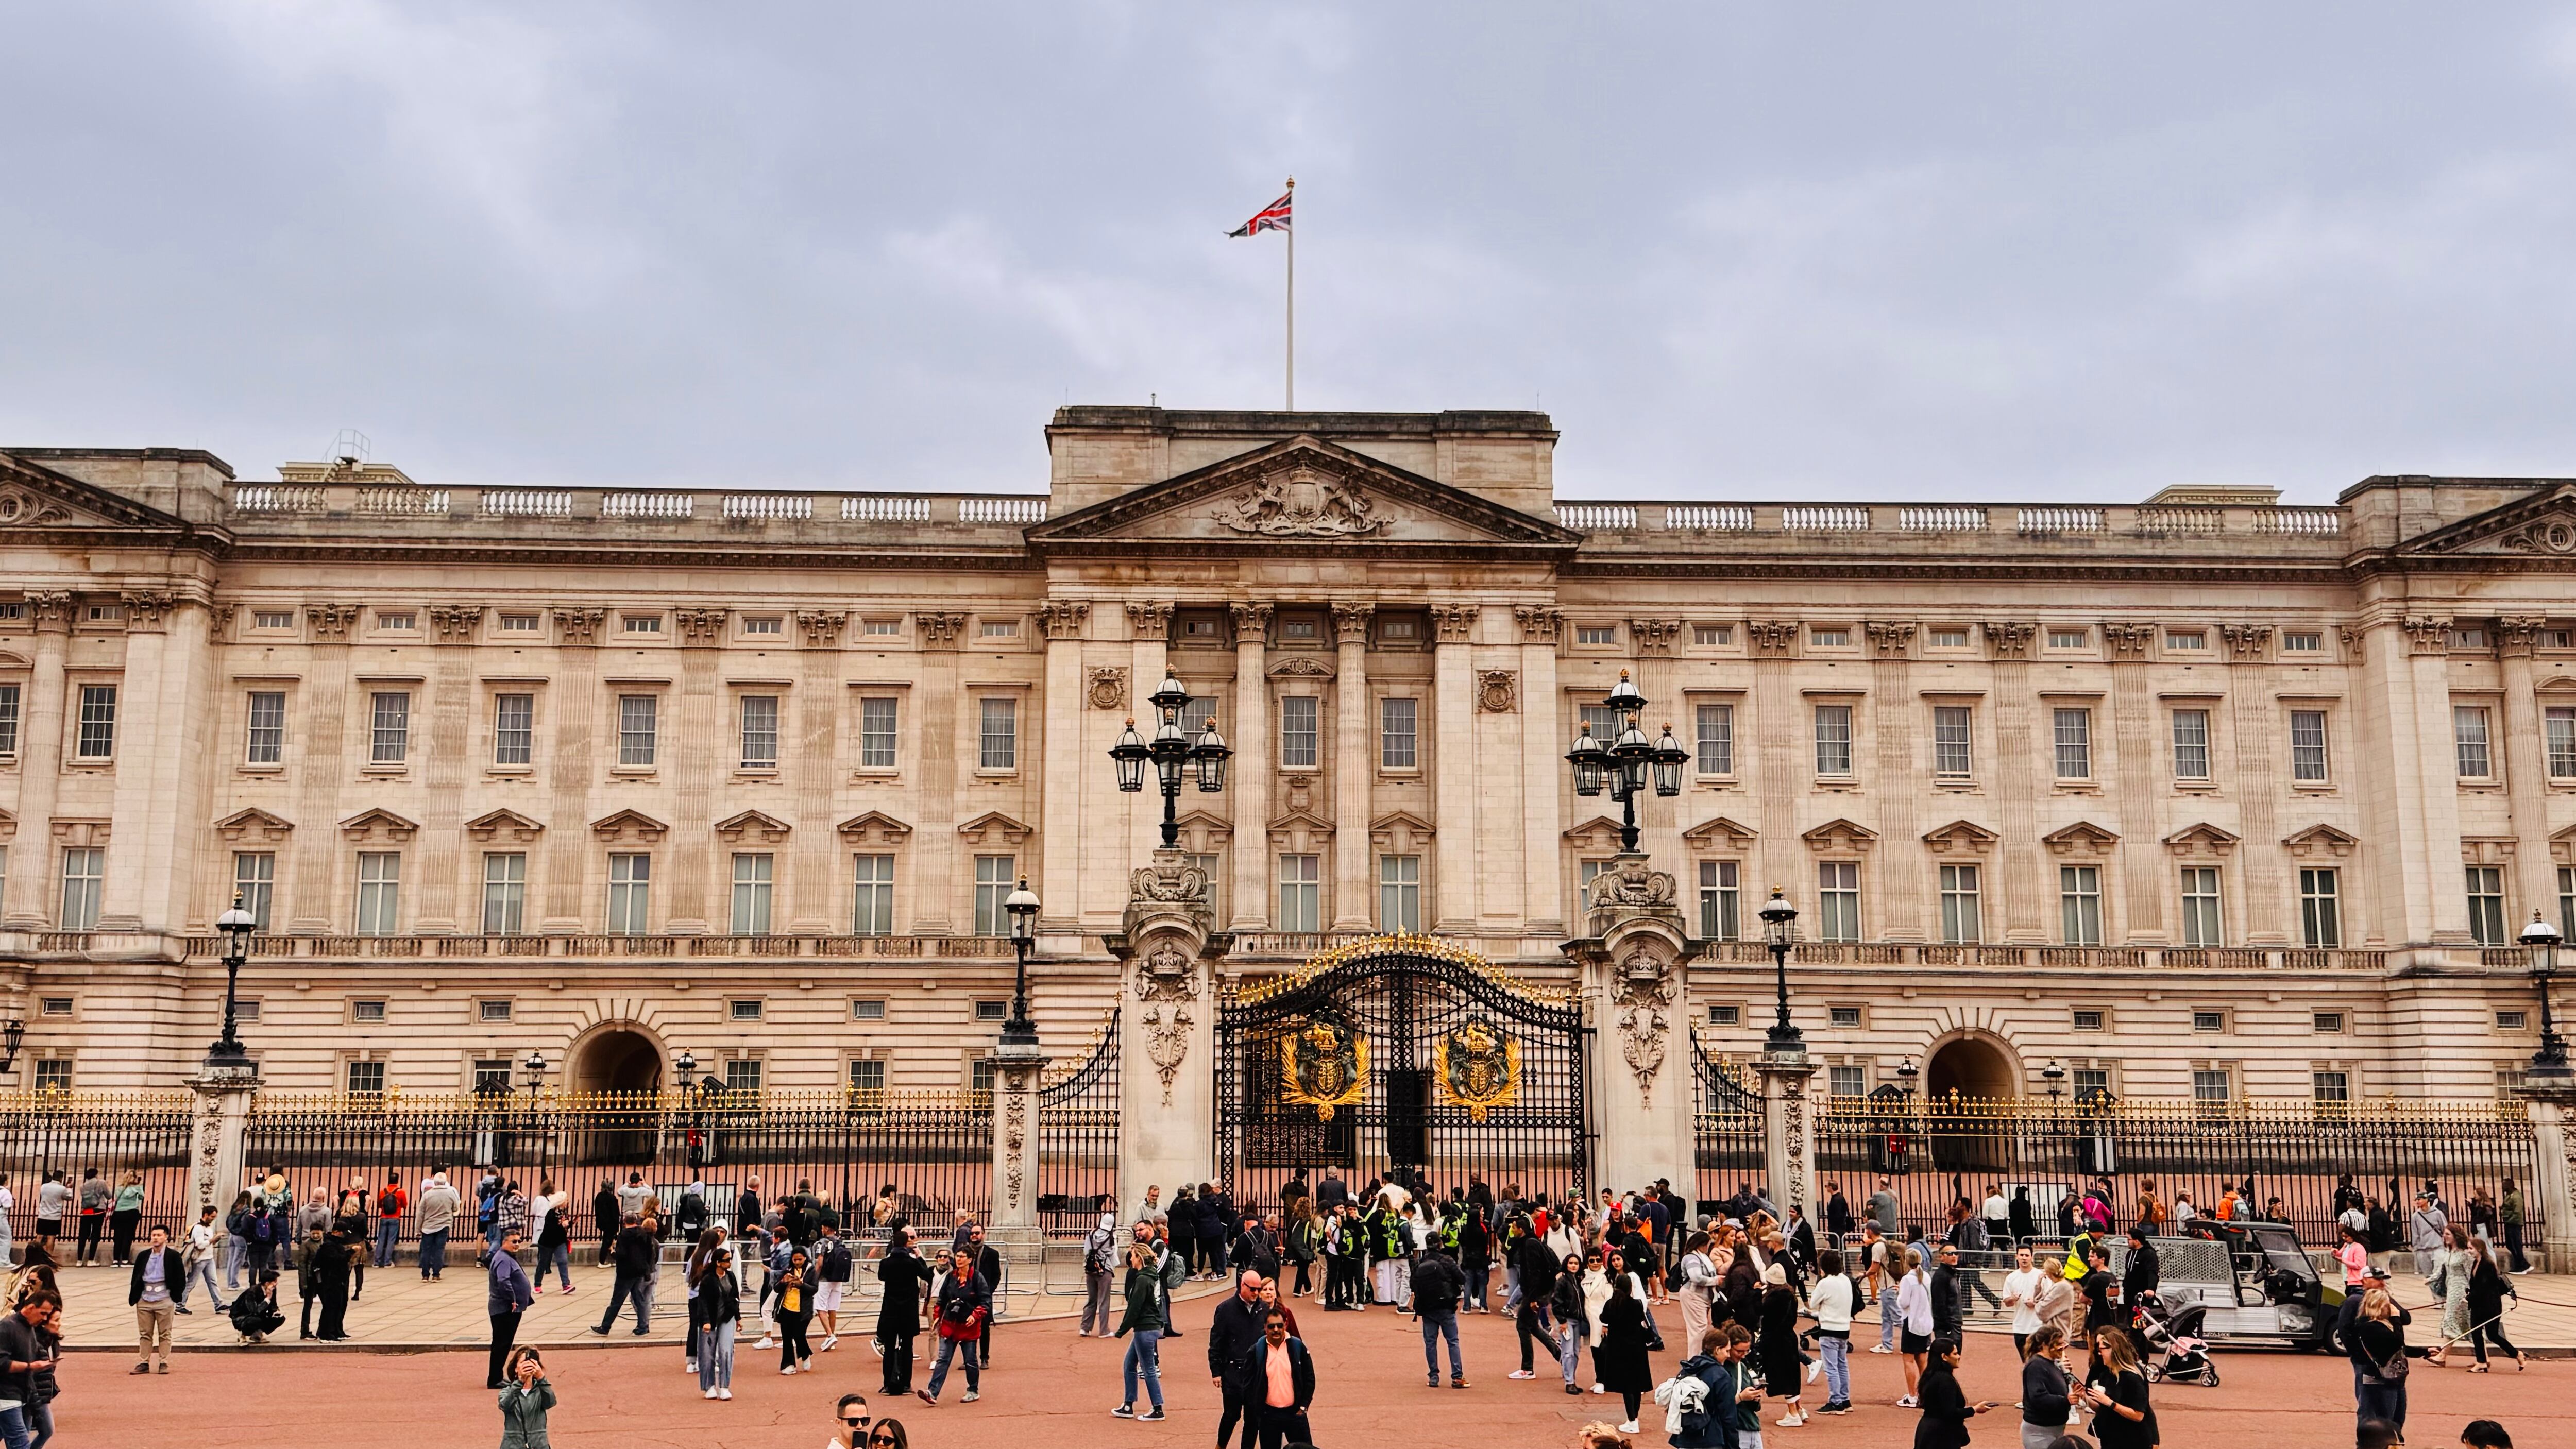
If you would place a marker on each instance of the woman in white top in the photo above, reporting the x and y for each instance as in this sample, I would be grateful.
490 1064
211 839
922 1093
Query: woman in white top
1914 1306
2021 1295
1699 1289
1831 1303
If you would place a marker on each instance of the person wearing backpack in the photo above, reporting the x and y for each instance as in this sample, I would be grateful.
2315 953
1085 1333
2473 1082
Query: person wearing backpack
831 1280
1438 1287
1705 1419
1099 1262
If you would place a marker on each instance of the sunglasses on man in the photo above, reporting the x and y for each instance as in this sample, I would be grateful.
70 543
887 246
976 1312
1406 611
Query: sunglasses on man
858 1422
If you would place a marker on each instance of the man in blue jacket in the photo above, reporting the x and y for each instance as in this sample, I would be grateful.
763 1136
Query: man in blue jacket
1275 1381
510 1297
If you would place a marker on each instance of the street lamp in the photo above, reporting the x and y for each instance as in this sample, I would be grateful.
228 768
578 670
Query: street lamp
13 1033
1625 764
533 1072
1172 753
2540 942
1780 930
1022 905
684 1065
1906 1072
227 1054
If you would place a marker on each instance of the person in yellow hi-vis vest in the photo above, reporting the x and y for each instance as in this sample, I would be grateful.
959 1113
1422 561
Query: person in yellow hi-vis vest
2079 1256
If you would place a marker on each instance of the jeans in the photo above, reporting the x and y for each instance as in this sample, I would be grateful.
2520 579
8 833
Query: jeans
13 1428
2512 1247
40 1425
2386 1402
1480 1283
1837 1352
1095 1301
388 1233
715 1356
1144 1356
1436 1326
433 1253
1511 1288
948 1348
5 1259
1570 1349
237 1258
558 1257
1888 1320
627 1287
202 1269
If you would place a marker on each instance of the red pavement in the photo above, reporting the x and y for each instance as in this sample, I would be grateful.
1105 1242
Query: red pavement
1056 1390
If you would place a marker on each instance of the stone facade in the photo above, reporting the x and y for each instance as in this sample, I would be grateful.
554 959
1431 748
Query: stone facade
613 774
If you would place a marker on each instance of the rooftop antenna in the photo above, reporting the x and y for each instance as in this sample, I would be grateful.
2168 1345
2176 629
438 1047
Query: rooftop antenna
350 448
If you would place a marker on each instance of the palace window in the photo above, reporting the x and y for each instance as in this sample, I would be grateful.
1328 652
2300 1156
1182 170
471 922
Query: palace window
1719 900
1596 633
2191 744
492 1011
1301 893
760 731
2320 909
642 623
1213 865
881 628
97 739
2079 904
1725 1015
2303 641
876 733
1953 733
390 740
1947 639
2326 1022
2212 1089
379 892
8 719
516 624
2087 1019
636 728
771 625
2567 902
872 899
1712 634
2486 905
742 1079
2074 736
993 885
867 1075
403 620
267 741
1399 893
1833 739
1297 731
1962 921
366 1079
514 728
2069 638
2186 639
1848 1083
751 892
1829 638
2332 1091
1396 721
997 629
1838 900
2308 746
2201 920
505 892
2469 733
630 894
272 619
1716 754
2560 727
255 881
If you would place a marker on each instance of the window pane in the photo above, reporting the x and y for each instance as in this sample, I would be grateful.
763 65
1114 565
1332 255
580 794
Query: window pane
872 913
255 881
392 740
635 728
1718 900
505 893
2469 728
2079 889
751 887
97 722
84 873
2320 909
267 727
2191 744
1297 714
1952 732
630 894
1396 723
2074 732
759 731
2200 913
8 719
379 891
993 885
2562 743
2307 744
1838 901
2486 905
1833 739
876 734
514 718
1716 739
1300 893
1399 898
1000 720
1962 920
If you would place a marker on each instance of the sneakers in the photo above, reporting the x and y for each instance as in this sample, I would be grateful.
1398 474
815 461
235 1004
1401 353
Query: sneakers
1596 1388
766 1341
1123 1411
710 1393
1790 1421
828 1340
1457 1383
1815 1369
877 1347
1571 1389
1628 1428
724 1393
692 1369
162 1367
1908 1403
972 1396
1435 1381
600 1328
1520 1374
1152 1416
1836 1406
143 1368
788 1369
1875 1348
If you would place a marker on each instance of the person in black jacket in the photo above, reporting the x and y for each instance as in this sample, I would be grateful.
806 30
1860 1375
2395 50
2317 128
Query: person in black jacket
988 1266
715 1316
603 1208
1946 1410
153 1291
901 1279
335 1262
1439 1285
1233 1332
1945 1294
1255 1384
633 1254
1573 1324
2143 1273
1181 1228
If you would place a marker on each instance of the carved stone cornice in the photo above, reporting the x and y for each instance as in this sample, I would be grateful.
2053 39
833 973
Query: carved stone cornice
2246 643
1149 621
579 626
331 621
456 623
1655 637
148 613
822 626
1771 638
2129 642
939 631
2517 635
1539 626
52 607
1063 618
1251 622
2009 639
1351 621
1454 623
702 627
1889 640
2425 635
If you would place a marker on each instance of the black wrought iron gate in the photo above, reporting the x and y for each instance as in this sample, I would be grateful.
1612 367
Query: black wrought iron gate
1400 1052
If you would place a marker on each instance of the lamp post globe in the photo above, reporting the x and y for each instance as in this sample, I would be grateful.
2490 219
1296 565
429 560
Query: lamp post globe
533 1072
236 925
2540 941
684 1066
1779 932
1021 905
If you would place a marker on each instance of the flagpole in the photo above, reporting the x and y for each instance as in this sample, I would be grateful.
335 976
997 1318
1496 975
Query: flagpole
1292 298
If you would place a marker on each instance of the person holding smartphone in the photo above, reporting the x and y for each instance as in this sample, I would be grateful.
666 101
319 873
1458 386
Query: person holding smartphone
1946 1410
525 1398
24 1354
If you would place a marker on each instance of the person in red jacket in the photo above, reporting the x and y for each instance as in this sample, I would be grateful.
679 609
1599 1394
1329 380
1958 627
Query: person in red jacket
390 1206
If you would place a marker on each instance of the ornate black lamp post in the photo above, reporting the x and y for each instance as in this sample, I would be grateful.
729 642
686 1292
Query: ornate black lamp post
1622 765
1779 929
533 1072
227 1054
1022 905
13 1034
2540 942
1172 753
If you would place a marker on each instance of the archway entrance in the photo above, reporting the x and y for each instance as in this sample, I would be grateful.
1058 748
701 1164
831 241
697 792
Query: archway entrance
1972 1068
1968 1086
619 1060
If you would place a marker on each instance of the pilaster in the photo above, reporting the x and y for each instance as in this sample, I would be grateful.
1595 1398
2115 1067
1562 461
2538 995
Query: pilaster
933 888
1015 1138
1168 953
2526 769
1631 952
1543 773
1789 1129
1252 732
1065 706
2257 784
40 753
446 867
2145 873
220 1135
1898 727
309 893
1450 735
138 746
1354 761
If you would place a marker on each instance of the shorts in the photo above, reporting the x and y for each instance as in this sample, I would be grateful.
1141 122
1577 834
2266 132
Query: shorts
1913 1342
49 1227
827 1296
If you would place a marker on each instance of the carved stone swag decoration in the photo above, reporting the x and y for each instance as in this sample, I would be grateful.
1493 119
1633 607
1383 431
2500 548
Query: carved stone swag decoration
1167 917
1167 980
1635 937
1645 993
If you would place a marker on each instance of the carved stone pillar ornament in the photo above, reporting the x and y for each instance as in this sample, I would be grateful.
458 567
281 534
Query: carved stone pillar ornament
1351 622
1063 618
1456 623
1889 640
701 627
2428 635
822 626
53 608
1632 952
456 623
148 613
1150 621
219 1132
2246 642
1015 1139
331 622
1106 687
939 631
2129 642
580 626
1539 626
2517 635
1770 637
1168 940
1497 691
2009 639
1655 636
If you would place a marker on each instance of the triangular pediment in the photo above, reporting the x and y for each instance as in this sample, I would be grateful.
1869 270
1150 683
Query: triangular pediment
1720 832
629 825
1301 820
35 496
1840 835
752 827
2539 525
1966 837
2081 838
2202 838
377 825
1599 833
2321 839
994 828
507 825
875 827
1299 492
255 825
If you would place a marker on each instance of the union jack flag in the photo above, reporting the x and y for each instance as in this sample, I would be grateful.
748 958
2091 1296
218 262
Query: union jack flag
1273 217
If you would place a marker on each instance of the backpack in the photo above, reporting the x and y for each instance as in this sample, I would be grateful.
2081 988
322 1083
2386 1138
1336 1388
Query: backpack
693 1208
836 1261
263 1227
1674 1277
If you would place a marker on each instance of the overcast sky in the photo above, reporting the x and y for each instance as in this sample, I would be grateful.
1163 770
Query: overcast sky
1737 250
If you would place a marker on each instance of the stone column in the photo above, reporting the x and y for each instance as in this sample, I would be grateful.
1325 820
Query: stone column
2428 796
308 887
40 757
1249 777
1354 767
2549 1213
447 869
137 744
1543 772
934 854
570 906
1898 725
218 1151
1631 953
1449 732
1789 1129
2144 877
1015 1139
1062 704
1167 1101
1775 738
2526 769
814 898
2269 911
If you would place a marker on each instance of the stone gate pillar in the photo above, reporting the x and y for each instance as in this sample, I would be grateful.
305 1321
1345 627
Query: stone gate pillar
1632 952
218 1150
1789 1129
1167 1102
2549 1212
1016 1070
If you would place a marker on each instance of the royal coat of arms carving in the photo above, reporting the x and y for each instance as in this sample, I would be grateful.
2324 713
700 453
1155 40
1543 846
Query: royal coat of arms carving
1323 1065
1478 1068
1300 503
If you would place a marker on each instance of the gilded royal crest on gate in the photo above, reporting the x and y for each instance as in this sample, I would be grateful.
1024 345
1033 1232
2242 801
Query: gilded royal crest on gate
1479 1068
1323 1065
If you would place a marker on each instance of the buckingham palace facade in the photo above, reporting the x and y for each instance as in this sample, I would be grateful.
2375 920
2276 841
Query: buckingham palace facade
2201 797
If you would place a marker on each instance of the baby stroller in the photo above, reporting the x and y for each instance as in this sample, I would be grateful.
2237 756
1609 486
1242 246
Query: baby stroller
2186 1355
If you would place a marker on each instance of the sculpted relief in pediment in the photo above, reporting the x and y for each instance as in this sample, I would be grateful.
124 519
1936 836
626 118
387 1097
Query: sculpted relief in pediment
1300 502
